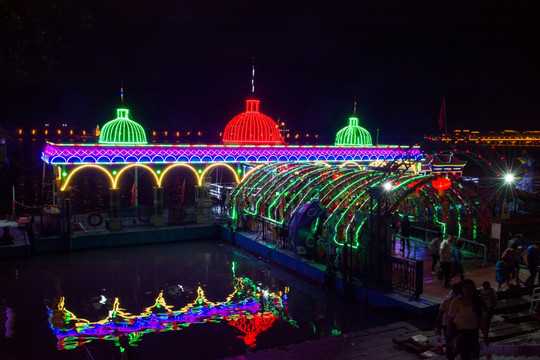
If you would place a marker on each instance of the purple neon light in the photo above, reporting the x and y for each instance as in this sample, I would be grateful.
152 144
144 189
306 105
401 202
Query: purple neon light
74 154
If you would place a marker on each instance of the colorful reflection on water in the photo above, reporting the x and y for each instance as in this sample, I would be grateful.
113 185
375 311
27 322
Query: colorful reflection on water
194 300
248 308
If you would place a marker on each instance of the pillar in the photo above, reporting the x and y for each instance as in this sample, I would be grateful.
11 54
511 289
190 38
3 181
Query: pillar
65 201
159 218
115 221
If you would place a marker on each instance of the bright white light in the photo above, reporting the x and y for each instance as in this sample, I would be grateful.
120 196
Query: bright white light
103 300
509 178
388 186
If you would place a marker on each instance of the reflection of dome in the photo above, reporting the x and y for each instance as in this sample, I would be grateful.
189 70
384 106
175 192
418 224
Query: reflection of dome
122 130
353 135
252 127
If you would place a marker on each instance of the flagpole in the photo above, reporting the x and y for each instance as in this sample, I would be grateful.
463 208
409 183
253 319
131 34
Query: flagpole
445 119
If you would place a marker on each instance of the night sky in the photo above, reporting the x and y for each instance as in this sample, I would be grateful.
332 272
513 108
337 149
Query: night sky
186 65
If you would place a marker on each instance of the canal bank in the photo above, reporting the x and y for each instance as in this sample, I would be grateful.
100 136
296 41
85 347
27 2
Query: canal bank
133 236
317 272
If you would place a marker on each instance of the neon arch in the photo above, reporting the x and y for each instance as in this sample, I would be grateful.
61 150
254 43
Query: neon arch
133 165
247 174
351 163
176 165
68 179
219 164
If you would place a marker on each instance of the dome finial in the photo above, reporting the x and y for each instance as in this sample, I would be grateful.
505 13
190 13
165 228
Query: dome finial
354 107
122 92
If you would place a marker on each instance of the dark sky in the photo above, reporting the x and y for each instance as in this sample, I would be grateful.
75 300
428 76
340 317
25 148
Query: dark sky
187 64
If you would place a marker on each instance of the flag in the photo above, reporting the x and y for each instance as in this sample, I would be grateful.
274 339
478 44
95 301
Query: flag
133 193
183 191
442 115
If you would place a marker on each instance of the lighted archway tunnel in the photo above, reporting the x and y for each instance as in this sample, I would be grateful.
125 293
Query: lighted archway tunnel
277 191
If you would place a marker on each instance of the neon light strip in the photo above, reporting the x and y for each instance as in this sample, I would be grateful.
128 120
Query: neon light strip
68 154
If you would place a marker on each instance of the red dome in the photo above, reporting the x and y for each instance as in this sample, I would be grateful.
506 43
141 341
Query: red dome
252 127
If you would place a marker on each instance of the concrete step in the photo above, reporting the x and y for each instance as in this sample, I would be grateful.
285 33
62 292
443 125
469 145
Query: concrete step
512 305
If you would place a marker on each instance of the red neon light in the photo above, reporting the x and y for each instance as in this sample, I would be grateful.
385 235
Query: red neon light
441 184
252 127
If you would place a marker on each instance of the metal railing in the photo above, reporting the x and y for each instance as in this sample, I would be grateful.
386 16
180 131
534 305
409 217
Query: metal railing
535 297
475 245
470 246
407 275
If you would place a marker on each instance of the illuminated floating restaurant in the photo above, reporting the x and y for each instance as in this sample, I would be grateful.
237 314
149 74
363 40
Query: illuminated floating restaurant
250 139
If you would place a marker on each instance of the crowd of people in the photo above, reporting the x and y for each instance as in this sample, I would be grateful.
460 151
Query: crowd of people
448 253
463 315
467 311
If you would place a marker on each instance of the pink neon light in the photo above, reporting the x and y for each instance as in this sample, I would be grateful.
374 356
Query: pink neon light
62 154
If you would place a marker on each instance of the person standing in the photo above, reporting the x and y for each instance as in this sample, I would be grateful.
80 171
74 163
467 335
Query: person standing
531 258
501 273
458 258
405 226
442 320
434 246
511 254
445 253
468 316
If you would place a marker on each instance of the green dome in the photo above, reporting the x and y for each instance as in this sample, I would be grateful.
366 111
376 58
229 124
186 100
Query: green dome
353 135
122 130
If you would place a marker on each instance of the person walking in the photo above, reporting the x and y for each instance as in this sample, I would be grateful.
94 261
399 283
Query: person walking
531 259
445 253
511 254
467 316
442 320
434 246
489 297
458 259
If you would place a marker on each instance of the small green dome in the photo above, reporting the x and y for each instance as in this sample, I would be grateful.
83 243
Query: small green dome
353 135
122 130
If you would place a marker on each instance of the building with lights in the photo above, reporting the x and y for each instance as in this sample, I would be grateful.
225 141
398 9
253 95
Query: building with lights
249 140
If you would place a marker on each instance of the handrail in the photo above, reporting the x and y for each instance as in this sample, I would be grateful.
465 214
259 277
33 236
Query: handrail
474 243
534 298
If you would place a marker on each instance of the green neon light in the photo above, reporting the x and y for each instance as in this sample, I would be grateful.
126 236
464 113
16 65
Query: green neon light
64 174
353 135
114 172
343 214
122 130
296 181
277 184
158 171
303 192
